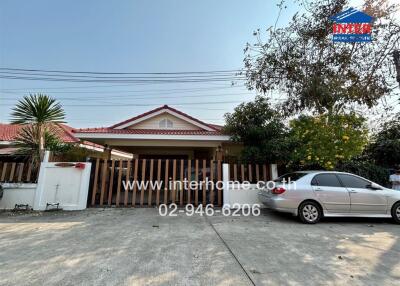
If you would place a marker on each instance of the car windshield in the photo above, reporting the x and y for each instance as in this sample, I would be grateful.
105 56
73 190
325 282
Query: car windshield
290 177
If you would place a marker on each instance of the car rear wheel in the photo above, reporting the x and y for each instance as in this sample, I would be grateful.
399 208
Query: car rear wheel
310 212
396 212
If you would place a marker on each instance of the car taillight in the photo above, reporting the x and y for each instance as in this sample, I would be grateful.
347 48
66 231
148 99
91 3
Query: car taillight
278 191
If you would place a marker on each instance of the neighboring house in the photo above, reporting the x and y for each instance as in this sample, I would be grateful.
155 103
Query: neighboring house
9 132
164 133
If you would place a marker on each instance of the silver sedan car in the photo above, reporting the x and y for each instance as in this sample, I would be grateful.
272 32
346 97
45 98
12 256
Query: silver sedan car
311 195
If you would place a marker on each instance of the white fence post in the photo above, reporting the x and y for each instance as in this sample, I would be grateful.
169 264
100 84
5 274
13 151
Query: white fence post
46 156
225 179
40 181
273 171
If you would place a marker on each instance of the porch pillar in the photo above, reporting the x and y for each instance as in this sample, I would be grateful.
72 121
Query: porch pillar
225 179
219 154
107 152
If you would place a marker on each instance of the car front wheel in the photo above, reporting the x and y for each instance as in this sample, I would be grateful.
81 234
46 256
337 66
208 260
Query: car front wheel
310 212
396 212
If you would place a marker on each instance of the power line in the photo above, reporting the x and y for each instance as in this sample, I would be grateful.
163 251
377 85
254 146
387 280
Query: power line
132 81
117 73
164 91
143 104
164 77
136 98
216 85
120 77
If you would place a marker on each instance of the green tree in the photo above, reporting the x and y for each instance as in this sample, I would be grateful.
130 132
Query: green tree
41 113
301 61
325 140
261 130
385 146
27 143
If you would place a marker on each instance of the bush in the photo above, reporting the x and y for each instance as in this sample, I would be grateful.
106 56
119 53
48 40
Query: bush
358 166
385 146
367 170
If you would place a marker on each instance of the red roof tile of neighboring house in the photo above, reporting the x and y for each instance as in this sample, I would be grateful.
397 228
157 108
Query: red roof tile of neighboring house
9 132
147 131
161 108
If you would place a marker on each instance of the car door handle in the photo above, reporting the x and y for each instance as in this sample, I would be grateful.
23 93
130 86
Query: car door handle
353 192
318 189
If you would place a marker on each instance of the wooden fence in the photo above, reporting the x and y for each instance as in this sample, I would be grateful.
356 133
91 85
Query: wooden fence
163 181
14 172
108 177
252 173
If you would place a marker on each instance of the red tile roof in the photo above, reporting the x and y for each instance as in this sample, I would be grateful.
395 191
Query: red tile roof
147 131
8 132
161 108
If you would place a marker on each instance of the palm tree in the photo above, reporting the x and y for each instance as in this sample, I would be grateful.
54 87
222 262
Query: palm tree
27 143
41 112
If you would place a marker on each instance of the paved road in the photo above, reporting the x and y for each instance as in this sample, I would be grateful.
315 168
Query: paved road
139 247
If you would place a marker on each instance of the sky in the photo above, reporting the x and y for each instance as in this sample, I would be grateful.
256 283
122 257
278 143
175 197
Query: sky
131 36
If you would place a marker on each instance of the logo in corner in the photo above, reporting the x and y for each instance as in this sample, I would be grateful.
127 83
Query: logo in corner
352 26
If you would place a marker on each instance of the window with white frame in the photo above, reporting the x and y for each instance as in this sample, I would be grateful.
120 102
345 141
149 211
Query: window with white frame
165 123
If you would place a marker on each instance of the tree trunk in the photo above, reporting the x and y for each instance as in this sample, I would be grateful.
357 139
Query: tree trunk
41 142
396 57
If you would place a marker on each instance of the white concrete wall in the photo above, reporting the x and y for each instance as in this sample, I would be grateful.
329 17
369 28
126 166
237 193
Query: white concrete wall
237 195
67 186
21 194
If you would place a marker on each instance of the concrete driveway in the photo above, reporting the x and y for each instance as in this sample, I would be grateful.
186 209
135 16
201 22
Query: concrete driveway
139 247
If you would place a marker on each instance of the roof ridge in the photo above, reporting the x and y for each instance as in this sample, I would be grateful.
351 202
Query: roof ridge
161 108
138 116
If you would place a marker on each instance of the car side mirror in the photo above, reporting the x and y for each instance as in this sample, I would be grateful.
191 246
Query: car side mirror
373 187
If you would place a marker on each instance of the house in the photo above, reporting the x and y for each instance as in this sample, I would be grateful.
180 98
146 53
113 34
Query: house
9 133
163 133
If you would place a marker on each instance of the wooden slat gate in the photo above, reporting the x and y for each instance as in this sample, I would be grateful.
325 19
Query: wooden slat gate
154 182
151 182
17 172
